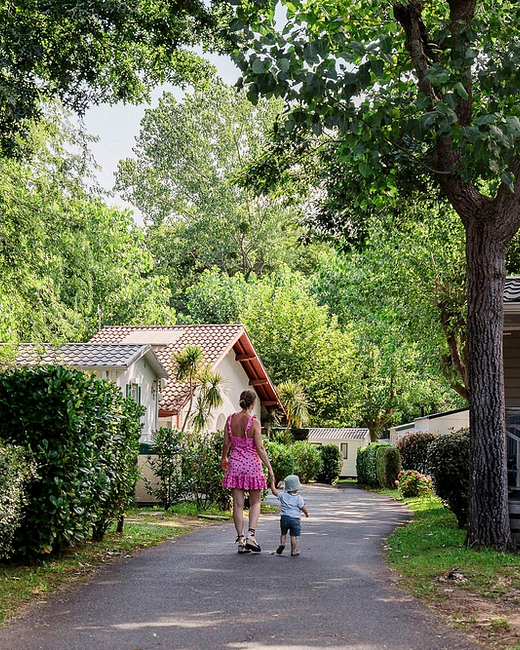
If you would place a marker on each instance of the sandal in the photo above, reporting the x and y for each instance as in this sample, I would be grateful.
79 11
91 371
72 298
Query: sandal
241 544
252 544
295 553
280 549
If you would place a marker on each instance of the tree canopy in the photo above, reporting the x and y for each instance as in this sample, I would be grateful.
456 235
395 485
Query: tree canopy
437 82
97 51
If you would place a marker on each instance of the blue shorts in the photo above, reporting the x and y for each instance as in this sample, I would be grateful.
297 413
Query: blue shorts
290 524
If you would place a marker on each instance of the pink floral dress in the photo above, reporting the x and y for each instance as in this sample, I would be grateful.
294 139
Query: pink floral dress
245 467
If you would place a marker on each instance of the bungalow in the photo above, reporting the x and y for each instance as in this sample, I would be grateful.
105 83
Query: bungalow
134 367
438 423
227 348
349 440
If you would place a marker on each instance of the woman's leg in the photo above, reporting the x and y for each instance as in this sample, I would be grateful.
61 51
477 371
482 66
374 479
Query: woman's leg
238 511
255 501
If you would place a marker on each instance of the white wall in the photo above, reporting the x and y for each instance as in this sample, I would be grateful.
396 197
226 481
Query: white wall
438 425
348 468
236 381
144 376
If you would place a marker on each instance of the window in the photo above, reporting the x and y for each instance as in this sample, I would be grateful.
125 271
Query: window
134 391
344 450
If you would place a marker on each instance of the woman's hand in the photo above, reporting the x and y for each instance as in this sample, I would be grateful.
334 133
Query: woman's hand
225 464
270 476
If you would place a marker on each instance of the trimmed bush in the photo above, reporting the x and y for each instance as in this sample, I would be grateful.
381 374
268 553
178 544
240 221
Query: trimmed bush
448 463
308 460
202 472
15 474
167 467
414 449
84 436
366 464
332 462
388 466
283 460
413 484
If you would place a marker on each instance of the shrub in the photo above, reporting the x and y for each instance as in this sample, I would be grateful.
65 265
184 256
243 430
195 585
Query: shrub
388 466
283 459
366 464
202 472
117 451
412 483
15 474
167 467
332 462
414 449
449 465
76 428
308 460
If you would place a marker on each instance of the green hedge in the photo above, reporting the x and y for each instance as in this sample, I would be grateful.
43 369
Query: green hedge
84 437
283 459
16 472
388 466
366 464
448 464
308 460
414 450
332 463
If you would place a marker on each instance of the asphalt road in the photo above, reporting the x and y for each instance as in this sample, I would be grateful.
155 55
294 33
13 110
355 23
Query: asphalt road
197 593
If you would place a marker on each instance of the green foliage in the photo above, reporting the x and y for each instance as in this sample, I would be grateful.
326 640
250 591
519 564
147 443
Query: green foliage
201 469
167 467
366 464
448 462
332 463
84 436
414 450
388 466
412 483
97 52
65 255
283 459
16 472
308 460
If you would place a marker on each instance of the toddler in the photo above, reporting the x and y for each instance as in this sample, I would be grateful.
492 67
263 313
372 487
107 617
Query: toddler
292 505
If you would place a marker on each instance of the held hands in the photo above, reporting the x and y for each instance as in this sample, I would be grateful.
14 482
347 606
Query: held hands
225 464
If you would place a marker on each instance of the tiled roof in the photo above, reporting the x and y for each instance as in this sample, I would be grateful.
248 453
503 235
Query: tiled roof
215 342
512 290
82 355
338 434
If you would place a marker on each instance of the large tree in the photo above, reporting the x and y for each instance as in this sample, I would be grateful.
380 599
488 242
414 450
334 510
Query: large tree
96 51
64 254
438 82
183 178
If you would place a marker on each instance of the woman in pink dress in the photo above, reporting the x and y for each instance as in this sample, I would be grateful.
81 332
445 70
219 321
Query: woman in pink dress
244 468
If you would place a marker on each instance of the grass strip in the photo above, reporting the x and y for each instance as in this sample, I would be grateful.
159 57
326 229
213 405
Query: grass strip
478 591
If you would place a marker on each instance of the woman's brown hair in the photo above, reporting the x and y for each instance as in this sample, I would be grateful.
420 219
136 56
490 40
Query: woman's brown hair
247 397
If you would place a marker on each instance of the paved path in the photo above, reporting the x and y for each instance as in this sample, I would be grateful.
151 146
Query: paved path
197 593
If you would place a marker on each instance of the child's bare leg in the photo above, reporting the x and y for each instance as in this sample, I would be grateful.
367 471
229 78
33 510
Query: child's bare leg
280 549
294 545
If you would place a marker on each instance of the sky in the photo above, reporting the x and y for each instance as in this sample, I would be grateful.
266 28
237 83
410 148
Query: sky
118 125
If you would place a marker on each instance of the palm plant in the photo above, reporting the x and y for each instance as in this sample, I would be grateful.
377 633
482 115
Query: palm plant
188 366
295 403
210 396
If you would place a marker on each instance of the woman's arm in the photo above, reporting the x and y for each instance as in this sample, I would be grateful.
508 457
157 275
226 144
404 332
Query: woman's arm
225 450
259 445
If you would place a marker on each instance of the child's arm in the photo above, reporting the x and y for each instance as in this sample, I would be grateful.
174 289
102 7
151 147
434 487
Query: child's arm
305 511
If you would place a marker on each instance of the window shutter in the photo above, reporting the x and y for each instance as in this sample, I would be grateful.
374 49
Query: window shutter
129 390
139 395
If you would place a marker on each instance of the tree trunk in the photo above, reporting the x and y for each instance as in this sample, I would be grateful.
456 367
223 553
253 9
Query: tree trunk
485 259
